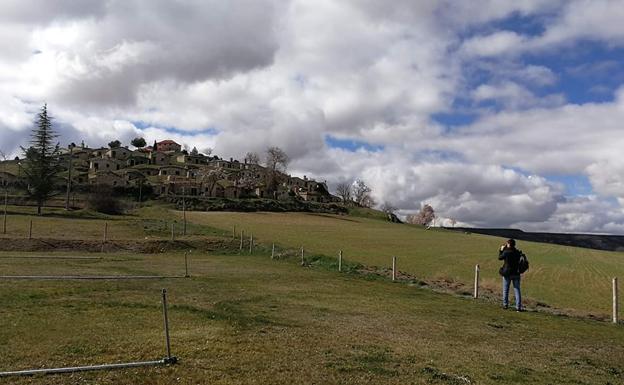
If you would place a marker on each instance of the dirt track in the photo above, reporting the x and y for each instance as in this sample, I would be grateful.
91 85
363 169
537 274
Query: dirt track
138 246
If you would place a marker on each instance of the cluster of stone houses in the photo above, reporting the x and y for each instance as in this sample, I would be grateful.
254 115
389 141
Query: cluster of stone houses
169 170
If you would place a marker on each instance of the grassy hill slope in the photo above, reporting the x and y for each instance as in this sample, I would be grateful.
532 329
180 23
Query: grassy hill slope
564 277
560 276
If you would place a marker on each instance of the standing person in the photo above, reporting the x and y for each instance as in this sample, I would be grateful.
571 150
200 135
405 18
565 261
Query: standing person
510 272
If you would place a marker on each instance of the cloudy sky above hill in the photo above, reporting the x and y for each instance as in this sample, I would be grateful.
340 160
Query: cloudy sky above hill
497 113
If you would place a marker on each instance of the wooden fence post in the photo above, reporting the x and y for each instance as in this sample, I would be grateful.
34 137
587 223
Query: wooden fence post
240 250
105 237
340 261
302 257
251 244
186 273
30 230
476 282
234 232
4 221
184 210
394 271
615 300
273 252
172 232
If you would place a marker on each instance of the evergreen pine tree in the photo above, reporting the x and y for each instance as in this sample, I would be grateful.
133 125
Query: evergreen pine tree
42 160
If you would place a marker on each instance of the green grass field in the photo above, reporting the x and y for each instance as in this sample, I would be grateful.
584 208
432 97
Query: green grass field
147 223
574 279
563 277
247 319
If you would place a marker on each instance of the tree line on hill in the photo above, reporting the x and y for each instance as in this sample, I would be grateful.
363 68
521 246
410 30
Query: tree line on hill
42 165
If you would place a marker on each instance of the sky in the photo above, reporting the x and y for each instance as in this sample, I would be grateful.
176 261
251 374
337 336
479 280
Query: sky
497 113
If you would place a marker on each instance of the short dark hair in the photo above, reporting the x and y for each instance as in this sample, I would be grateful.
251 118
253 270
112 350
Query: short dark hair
512 242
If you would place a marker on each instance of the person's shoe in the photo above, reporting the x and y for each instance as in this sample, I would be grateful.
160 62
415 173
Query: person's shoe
520 310
505 307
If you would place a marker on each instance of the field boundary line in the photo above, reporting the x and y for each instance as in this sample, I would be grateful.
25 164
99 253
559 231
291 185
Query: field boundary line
87 277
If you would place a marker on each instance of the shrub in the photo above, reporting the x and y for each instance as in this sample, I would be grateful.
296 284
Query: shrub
103 199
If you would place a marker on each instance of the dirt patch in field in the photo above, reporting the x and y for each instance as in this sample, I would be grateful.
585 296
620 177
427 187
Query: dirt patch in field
135 246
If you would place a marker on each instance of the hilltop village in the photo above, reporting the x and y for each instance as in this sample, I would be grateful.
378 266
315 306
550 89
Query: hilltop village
168 171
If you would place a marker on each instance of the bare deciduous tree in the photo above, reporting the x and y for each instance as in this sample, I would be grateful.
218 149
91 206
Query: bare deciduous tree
343 190
276 163
388 208
368 201
424 217
210 179
361 194
252 158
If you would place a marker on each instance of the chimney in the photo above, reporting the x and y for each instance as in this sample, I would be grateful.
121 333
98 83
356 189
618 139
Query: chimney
231 159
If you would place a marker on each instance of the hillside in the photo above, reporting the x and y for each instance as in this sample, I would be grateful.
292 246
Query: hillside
243 317
566 278
590 241
560 276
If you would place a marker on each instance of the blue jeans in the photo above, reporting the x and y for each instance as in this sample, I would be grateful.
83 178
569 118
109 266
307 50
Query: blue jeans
516 284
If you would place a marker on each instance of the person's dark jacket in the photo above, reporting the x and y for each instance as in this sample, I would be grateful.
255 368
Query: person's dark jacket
511 258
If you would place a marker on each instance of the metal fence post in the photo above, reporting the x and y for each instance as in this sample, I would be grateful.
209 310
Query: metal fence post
166 322
4 221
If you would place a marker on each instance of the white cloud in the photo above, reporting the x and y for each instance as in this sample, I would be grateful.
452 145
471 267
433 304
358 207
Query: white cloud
587 19
514 96
241 75
495 44
589 214
597 20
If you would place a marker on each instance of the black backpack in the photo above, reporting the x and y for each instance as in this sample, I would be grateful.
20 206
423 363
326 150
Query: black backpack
523 263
